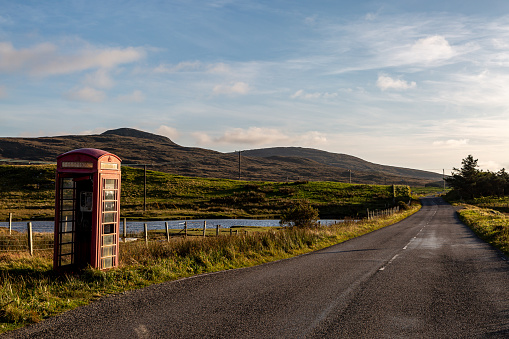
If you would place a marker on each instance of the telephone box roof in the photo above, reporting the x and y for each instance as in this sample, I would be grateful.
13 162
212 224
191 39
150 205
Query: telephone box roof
91 152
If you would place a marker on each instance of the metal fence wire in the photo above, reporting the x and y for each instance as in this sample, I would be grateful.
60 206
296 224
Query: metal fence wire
15 241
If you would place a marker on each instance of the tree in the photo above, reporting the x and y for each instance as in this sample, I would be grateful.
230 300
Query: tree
465 180
300 215
470 182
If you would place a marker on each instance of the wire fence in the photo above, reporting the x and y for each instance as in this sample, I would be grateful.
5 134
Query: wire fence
15 241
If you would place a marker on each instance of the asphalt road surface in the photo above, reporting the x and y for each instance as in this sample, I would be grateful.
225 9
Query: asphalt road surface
428 276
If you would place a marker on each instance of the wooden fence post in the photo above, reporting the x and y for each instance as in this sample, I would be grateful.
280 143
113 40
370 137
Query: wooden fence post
30 239
125 228
146 233
204 227
185 228
10 223
217 230
167 231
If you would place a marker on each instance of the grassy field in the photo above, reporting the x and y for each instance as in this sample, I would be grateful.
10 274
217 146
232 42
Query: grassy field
30 291
28 192
427 191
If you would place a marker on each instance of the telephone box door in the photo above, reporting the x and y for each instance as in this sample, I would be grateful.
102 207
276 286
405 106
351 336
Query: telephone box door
87 209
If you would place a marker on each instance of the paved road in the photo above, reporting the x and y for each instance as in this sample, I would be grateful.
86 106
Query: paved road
426 277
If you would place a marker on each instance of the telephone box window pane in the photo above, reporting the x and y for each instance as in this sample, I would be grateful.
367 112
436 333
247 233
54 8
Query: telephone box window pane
67 215
67 183
109 195
108 239
108 228
66 227
110 184
66 238
107 262
66 260
67 205
67 194
108 251
66 249
109 217
110 206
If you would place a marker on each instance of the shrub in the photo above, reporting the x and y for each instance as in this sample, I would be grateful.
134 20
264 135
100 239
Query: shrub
301 214
403 205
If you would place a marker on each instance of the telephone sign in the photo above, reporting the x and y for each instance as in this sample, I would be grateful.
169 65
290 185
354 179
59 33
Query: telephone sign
87 209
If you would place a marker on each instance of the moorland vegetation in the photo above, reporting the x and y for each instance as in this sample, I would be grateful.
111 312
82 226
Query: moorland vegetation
28 192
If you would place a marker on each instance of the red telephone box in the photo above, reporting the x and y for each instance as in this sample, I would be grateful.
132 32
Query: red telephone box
87 209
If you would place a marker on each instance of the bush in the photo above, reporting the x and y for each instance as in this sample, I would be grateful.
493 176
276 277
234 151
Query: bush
301 214
403 205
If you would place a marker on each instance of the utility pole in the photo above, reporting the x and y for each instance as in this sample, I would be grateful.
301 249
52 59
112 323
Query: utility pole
145 188
239 164
443 176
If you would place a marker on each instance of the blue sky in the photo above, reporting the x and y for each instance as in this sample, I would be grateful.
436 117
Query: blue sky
417 84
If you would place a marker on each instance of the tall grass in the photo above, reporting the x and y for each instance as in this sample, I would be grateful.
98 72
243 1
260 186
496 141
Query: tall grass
31 291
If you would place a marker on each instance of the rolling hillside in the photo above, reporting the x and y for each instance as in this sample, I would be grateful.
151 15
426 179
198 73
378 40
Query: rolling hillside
162 154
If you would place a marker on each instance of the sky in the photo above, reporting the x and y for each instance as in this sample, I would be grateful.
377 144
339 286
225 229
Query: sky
417 84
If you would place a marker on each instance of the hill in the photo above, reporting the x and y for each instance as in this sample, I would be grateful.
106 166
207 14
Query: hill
136 147
339 160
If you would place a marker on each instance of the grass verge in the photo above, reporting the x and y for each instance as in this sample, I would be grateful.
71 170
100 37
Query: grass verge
30 291
490 225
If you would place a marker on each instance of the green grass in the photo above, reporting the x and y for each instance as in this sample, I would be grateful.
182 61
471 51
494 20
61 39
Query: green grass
490 225
28 192
30 291
426 191
487 217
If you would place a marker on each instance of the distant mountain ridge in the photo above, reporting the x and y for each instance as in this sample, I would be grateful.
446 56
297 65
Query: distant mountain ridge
270 164
131 132
338 160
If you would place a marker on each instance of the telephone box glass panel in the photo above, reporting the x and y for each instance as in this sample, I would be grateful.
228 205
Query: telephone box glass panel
109 225
66 240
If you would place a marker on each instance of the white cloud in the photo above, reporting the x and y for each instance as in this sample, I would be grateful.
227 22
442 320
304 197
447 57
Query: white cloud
490 165
310 20
385 82
100 78
252 136
235 88
219 68
46 59
451 142
87 94
431 49
482 88
135 96
313 139
186 66
169 132
97 130
258 136
302 94
202 138
193 66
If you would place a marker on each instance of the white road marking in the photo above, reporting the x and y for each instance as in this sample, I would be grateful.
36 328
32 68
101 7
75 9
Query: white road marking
390 261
